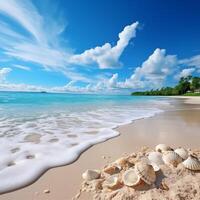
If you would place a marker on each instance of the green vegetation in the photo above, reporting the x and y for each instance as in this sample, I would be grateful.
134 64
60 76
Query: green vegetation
192 94
189 86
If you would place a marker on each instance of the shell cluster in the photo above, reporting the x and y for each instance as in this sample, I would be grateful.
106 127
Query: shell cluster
141 169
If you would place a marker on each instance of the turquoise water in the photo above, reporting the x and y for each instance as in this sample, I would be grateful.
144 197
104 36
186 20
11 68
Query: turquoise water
43 130
25 103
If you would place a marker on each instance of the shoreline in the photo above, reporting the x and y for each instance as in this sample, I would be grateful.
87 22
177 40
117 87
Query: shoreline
55 179
188 99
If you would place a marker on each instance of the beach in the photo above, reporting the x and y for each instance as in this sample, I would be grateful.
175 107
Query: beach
176 127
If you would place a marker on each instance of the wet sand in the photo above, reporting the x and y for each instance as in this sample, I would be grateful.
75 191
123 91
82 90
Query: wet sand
176 128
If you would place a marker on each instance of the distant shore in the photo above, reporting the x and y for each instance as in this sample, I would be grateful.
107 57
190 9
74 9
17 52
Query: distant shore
178 127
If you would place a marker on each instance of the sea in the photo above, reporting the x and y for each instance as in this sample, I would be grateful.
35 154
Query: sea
39 131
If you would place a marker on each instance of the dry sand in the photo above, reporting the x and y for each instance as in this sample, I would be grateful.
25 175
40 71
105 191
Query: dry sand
175 128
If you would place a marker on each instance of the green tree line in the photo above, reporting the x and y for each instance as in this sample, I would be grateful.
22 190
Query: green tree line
190 85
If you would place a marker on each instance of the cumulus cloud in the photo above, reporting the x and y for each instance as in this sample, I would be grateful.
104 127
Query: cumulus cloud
107 56
185 72
112 82
152 72
3 73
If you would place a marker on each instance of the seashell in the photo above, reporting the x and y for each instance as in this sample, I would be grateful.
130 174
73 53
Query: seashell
112 182
130 178
162 148
90 175
192 163
183 153
171 158
156 157
121 161
112 169
145 172
156 167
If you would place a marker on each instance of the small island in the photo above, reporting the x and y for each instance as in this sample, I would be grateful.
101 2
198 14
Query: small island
187 86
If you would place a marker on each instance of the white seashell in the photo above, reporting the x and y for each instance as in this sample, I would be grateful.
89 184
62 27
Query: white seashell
145 172
183 153
192 163
90 175
112 182
162 148
171 158
156 157
130 178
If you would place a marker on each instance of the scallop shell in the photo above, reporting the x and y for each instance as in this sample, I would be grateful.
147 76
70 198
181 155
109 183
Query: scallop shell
145 172
192 163
112 169
130 178
90 175
112 182
162 148
171 158
183 153
156 157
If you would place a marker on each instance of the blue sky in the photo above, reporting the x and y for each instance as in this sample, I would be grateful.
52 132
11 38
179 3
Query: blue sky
97 46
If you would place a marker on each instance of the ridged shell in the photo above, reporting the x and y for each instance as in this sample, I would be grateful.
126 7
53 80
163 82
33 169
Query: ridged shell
162 148
130 178
192 163
112 182
171 158
183 153
145 172
156 157
90 175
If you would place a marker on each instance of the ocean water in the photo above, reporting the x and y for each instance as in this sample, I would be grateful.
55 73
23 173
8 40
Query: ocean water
42 130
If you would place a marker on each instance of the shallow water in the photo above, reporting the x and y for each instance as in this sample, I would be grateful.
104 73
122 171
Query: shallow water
39 131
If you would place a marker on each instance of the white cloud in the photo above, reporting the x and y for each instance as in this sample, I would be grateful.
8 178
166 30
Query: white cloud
22 67
192 62
185 73
112 82
153 71
50 58
20 87
3 73
44 44
25 14
107 56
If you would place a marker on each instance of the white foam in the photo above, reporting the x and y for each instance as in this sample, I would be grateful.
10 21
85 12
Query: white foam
56 139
